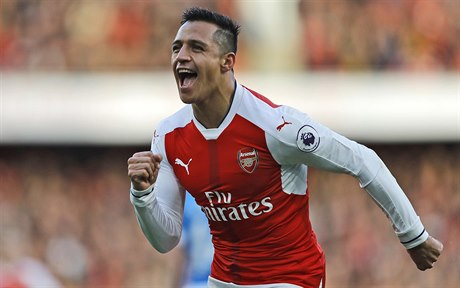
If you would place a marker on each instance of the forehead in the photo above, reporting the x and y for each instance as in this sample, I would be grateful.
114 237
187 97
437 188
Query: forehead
196 30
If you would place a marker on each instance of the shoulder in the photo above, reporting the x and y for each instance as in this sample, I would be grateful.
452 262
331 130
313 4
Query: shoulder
177 120
258 109
288 130
276 120
257 97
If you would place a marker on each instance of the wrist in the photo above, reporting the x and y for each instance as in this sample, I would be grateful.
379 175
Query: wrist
141 193
419 239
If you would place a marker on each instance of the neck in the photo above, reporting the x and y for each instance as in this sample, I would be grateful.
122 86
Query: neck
211 113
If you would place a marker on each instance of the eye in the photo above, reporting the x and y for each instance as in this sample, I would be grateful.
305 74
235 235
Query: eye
197 48
175 48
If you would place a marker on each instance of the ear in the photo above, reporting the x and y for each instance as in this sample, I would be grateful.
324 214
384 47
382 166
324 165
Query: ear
227 62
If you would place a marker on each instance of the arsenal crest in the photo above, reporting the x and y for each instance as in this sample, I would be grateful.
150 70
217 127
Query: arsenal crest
248 159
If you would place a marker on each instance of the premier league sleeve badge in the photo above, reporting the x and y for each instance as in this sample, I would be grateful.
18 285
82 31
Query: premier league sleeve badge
307 139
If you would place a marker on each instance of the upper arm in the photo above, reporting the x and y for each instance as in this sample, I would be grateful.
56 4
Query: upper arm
311 143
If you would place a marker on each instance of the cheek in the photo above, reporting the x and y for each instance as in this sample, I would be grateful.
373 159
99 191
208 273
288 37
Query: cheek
209 81
212 73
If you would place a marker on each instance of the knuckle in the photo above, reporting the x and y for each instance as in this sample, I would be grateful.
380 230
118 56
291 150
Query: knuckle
141 154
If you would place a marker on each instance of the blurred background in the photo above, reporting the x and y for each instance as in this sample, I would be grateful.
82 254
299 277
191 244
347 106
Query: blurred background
84 83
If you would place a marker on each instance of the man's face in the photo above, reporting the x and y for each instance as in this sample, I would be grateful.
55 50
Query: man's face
196 61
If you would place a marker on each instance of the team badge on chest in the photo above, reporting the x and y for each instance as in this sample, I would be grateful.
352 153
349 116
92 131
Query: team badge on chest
248 159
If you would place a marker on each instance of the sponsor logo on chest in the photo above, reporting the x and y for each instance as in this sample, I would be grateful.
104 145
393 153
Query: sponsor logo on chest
222 208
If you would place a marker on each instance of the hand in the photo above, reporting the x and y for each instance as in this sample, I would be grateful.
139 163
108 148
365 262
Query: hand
425 254
143 169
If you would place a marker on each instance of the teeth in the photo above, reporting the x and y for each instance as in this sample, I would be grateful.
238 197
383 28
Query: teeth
185 70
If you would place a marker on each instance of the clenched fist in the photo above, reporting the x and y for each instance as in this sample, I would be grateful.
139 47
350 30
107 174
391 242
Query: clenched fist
143 169
425 254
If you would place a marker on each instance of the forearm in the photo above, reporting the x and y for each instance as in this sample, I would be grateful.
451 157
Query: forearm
380 184
390 197
372 174
160 221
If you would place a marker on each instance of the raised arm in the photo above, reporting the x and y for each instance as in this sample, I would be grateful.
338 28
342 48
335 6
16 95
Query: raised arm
157 197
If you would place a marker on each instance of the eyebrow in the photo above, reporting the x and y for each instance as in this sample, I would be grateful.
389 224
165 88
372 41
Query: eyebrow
191 42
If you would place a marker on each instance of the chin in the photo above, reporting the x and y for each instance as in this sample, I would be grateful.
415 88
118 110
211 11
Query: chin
185 98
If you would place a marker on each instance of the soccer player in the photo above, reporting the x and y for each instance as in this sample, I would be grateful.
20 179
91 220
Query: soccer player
244 159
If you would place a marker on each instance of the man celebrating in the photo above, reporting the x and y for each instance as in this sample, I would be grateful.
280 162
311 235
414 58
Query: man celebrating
244 159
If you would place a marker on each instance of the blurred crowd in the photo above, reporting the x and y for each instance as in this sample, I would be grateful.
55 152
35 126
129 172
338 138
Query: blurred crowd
69 210
66 221
91 35
405 35
125 35
65 215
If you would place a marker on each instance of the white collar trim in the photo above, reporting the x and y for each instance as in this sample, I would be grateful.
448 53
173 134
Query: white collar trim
214 133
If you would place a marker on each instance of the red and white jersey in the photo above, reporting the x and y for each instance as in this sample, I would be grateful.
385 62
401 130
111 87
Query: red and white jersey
250 178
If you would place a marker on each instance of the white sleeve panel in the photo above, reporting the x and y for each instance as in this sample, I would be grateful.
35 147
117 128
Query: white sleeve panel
160 213
389 196
305 141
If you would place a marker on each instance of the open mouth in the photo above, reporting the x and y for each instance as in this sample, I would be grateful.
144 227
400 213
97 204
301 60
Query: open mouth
186 77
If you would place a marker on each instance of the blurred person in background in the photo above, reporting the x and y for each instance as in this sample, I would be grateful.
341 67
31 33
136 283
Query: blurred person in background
244 160
197 246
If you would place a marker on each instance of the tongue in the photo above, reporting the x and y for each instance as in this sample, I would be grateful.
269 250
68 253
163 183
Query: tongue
188 81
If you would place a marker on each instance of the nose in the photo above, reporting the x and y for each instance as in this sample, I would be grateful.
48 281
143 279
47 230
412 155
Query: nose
183 55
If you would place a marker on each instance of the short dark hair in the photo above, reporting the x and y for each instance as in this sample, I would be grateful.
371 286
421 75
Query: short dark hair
227 34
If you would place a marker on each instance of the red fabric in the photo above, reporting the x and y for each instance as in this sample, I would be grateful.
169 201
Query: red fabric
260 234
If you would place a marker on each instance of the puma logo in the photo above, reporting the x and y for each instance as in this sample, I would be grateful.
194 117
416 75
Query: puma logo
179 162
282 125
